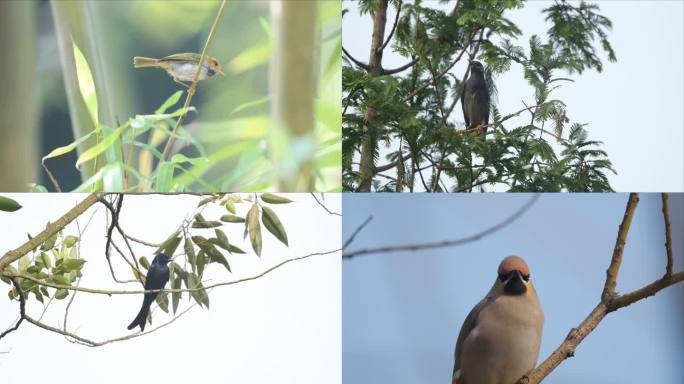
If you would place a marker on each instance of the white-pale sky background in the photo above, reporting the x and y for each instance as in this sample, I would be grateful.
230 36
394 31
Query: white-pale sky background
281 328
403 311
634 106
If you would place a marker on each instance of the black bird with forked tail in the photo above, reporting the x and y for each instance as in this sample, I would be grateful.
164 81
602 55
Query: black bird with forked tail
157 277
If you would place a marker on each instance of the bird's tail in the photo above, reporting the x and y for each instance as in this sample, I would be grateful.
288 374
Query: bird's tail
141 319
145 62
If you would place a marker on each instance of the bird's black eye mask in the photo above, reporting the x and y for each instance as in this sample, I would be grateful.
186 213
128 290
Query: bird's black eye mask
514 286
505 277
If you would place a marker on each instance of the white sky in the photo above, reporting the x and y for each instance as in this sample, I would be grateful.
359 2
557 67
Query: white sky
281 328
623 105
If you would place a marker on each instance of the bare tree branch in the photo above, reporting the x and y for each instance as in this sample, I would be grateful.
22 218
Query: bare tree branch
446 243
323 205
610 301
668 234
614 268
361 64
400 69
22 308
356 232
394 27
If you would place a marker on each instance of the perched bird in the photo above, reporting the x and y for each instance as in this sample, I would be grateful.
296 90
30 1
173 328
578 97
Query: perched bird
157 277
182 66
499 340
475 99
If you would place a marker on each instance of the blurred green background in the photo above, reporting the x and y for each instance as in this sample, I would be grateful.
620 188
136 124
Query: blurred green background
243 141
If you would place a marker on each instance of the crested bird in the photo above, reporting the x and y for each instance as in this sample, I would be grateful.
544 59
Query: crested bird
157 277
475 99
500 338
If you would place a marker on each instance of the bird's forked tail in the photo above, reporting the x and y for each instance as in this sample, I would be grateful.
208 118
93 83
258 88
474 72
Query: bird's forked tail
141 319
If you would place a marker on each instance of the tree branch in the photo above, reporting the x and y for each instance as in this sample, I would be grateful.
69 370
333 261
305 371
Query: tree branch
356 232
614 268
357 62
609 300
323 205
50 229
394 27
400 69
447 243
22 309
668 234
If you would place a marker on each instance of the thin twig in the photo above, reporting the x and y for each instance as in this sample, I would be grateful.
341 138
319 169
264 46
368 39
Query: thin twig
356 232
52 178
323 205
614 268
447 243
191 90
359 63
22 308
668 233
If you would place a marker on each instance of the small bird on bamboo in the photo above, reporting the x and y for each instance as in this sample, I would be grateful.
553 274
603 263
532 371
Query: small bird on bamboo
182 66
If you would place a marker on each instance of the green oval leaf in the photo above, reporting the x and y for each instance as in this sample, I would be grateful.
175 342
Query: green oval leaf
274 199
206 224
232 219
273 224
61 294
73 264
8 205
69 241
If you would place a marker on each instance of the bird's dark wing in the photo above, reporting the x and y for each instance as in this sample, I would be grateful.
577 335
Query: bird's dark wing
157 277
463 106
468 324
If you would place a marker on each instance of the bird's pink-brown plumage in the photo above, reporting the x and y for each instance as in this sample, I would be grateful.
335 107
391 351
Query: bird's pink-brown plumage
500 338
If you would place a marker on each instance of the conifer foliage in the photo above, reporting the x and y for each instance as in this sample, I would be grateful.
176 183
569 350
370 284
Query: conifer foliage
403 132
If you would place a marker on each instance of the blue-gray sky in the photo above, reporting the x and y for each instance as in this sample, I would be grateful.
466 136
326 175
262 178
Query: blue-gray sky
634 106
402 312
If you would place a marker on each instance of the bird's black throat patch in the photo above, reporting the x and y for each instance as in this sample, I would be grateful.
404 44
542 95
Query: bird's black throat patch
514 285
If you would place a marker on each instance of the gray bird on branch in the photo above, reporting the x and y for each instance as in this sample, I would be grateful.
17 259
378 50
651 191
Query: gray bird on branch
475 99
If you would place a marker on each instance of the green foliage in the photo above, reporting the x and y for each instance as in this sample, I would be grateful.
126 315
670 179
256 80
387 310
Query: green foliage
413 114
204 242
227 149
56 261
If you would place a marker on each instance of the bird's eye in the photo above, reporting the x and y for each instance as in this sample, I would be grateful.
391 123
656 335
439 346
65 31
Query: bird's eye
210 71
502 278
526 277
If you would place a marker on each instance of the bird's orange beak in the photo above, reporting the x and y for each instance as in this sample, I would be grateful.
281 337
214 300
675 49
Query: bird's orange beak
220 72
